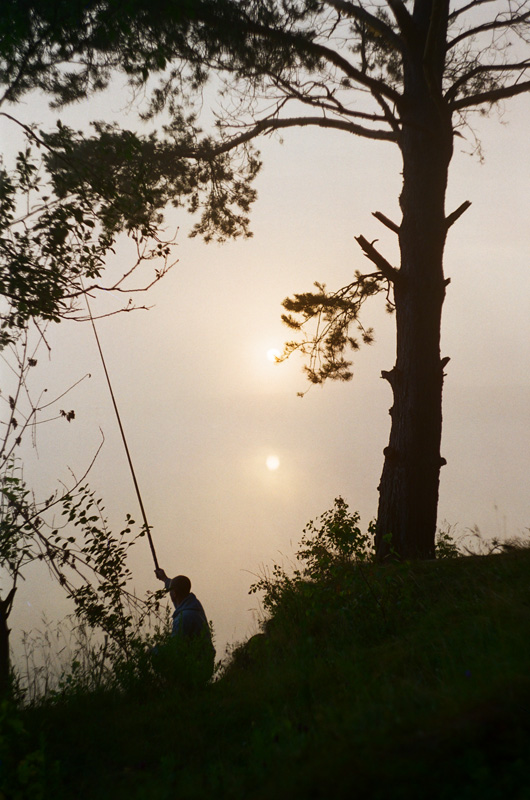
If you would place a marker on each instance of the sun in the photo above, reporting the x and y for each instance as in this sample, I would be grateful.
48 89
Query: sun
273 354
272 462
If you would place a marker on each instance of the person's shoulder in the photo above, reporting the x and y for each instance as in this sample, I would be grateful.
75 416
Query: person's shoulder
190 601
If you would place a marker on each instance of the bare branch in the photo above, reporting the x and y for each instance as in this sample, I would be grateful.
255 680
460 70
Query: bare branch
452 218
327 101
63 394
26 418
473 4
389 272
386 221
389 115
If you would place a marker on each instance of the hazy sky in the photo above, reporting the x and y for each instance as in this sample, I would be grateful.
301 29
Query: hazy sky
204 408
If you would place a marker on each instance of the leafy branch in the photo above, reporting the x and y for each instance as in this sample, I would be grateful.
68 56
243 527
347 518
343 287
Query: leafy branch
329 317
90 564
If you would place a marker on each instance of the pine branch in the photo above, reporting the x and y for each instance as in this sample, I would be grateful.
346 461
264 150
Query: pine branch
496 24
481 70
403 19
326 102
375 23
491 96
268 125
292 40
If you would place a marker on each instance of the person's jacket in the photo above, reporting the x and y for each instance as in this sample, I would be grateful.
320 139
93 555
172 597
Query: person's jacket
189 618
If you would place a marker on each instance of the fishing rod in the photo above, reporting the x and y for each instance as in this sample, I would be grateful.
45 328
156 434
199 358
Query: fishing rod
124 439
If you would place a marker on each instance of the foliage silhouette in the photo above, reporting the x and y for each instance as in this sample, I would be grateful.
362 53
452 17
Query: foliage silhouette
332 699
84 557
407 72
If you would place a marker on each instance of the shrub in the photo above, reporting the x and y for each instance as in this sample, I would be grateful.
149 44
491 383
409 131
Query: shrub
328 544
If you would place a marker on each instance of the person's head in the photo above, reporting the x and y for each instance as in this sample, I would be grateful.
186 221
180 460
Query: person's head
179 588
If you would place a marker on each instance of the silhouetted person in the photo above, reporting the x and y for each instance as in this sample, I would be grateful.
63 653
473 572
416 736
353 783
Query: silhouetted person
189 655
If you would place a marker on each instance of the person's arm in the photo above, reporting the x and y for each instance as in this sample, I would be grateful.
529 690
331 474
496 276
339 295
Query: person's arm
161 575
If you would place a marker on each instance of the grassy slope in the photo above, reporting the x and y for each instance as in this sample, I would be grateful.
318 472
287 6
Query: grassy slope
389 682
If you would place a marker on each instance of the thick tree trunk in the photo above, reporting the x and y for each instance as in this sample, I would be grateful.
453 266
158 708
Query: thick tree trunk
406 524
409 483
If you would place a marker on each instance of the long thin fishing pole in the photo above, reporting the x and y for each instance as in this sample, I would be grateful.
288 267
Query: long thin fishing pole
129 459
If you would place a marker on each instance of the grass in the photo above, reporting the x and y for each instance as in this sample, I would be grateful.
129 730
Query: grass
398 681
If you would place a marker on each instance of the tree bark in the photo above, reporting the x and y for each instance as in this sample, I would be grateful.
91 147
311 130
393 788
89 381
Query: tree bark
408 501
5 666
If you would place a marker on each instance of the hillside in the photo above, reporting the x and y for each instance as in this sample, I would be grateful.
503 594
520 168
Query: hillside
401 681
